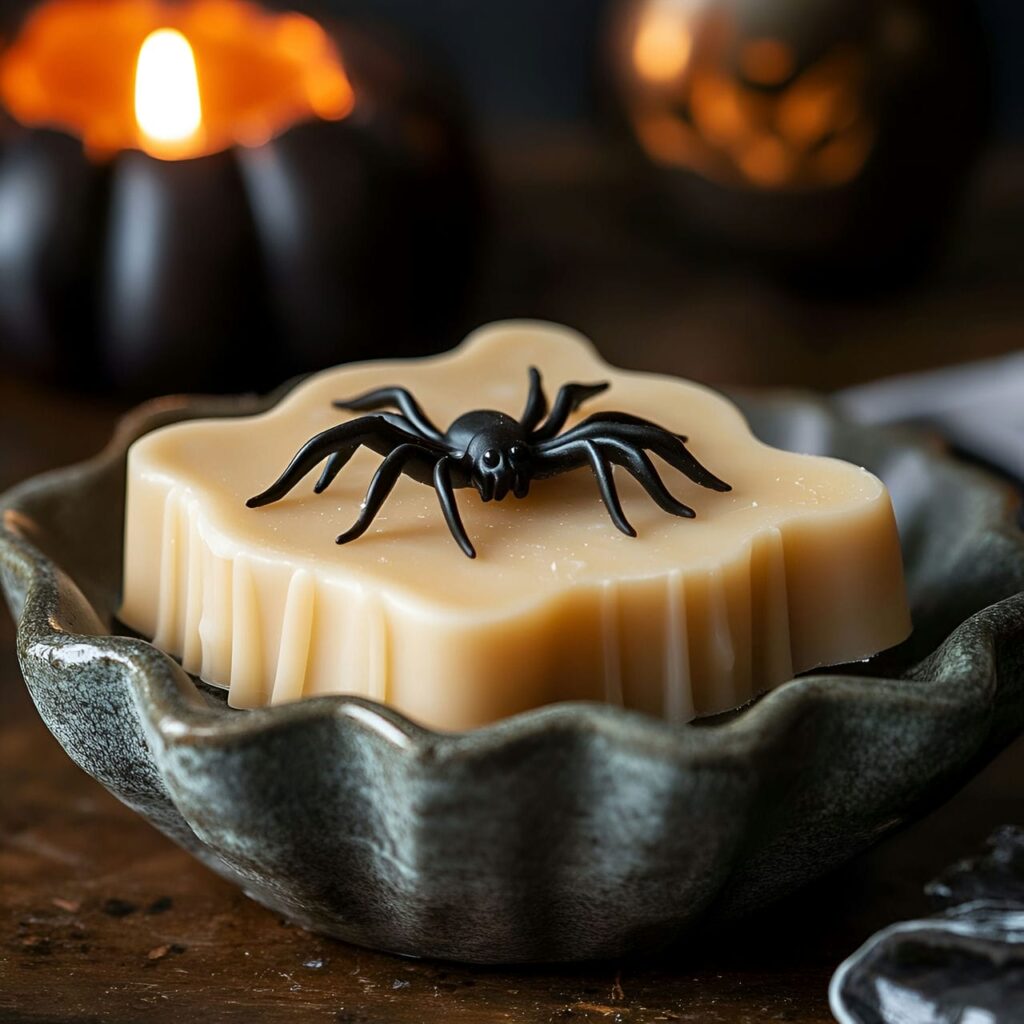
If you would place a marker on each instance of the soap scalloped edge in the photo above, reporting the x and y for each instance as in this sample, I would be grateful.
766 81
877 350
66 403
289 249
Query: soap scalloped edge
699 670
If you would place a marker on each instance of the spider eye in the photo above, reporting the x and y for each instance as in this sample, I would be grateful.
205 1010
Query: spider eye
491 458
517 451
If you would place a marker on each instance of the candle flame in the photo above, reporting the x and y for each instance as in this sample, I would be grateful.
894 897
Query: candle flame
168 109
97 70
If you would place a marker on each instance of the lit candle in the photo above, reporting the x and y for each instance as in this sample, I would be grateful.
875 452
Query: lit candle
215 194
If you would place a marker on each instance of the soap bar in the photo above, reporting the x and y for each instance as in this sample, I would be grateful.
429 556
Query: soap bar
798 565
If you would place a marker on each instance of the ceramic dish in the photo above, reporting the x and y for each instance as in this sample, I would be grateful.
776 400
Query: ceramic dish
571 832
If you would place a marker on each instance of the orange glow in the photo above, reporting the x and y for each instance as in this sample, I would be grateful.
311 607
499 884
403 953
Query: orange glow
672 142
741 109
718 108
843 158
661 47
822 101
766 61
77 65
766 161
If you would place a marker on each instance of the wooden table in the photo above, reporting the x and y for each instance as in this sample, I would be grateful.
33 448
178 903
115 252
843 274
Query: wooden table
102 919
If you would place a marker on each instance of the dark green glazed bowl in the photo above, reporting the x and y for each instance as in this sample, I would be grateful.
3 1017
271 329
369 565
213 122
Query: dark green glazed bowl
572 832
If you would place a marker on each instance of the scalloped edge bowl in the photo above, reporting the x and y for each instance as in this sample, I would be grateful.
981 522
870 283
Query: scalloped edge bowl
572 832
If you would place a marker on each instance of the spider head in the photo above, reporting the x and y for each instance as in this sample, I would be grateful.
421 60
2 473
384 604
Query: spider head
500 470
498 457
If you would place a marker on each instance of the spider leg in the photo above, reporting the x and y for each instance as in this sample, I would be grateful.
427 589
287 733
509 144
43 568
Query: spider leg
636 462
401 399
653 438
576 454
606 485
340 459
536 403
335 464
381 486
446 496
378 432
625 417
569 398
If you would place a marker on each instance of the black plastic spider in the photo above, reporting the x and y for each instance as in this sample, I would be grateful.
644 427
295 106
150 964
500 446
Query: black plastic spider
492 452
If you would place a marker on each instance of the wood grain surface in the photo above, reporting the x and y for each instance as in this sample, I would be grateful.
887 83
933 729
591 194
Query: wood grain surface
103 919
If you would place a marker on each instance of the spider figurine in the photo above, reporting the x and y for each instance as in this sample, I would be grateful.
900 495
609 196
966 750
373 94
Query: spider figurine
492 452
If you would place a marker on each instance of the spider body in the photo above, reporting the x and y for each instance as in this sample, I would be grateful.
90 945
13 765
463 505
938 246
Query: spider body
497 453
492 452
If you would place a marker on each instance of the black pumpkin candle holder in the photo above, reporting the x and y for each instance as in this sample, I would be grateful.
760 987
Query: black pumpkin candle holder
308 196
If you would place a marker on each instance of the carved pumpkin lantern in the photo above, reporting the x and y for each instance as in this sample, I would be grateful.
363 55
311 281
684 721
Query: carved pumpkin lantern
824 136
214 194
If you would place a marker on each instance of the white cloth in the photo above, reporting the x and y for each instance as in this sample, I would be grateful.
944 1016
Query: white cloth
979 407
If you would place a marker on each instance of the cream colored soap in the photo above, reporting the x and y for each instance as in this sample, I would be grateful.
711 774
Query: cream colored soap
797 566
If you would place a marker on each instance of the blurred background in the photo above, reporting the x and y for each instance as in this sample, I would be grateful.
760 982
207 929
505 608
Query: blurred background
779 192
532 62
